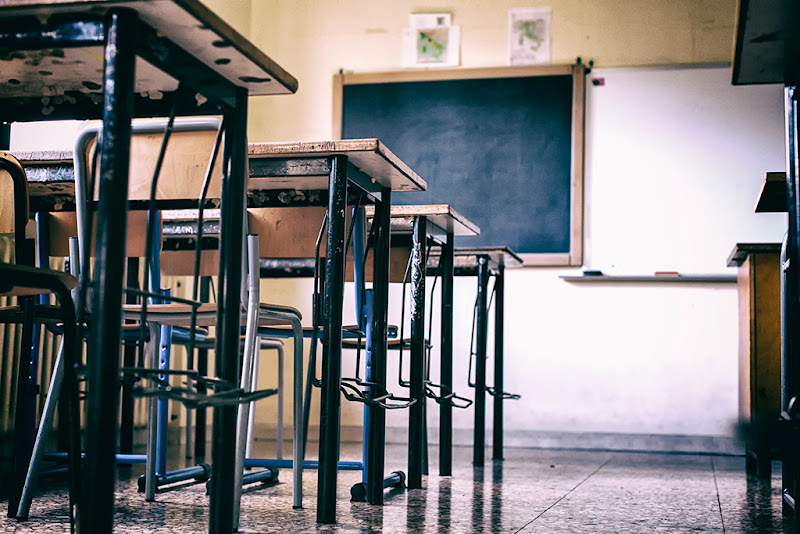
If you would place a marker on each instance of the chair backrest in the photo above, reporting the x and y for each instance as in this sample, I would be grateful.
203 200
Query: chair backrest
292 232
181 176
286 232
180 261
14 213
289 232
185 160
64 224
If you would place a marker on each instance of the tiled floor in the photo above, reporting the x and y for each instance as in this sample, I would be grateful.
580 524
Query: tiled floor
531 491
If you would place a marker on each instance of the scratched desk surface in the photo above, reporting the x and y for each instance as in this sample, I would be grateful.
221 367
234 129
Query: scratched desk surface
280 173
302 165
467 257
57 81
442 219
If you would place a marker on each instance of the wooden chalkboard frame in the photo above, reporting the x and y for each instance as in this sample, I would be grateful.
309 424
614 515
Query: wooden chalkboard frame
578 72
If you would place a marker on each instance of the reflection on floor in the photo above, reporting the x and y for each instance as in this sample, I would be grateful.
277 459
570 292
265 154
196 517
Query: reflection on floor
532 490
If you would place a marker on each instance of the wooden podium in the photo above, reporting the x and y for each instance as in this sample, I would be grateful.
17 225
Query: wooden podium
759 289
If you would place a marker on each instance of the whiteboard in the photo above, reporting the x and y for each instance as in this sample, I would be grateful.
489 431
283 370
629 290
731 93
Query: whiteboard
675 159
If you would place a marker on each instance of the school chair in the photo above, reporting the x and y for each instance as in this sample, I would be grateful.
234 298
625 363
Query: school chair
182 149
25 281
284 233
290 245
156 453
180 232
175 192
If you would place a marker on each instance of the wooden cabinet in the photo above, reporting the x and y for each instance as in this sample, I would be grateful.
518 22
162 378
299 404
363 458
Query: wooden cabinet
759 289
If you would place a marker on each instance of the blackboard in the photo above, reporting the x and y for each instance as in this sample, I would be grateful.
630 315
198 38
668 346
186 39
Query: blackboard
498 145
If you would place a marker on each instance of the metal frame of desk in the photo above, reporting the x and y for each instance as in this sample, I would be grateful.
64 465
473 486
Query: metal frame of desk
482 262
440 223
370 167
173 40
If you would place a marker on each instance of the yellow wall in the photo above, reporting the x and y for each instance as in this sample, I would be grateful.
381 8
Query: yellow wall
234 12
313 39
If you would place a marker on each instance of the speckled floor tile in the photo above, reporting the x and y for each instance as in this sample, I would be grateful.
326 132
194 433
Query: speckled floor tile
531 491
750 504
640 493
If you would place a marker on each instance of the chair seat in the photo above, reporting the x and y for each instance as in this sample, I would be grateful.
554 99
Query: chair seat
42 313
349 332
179 314
393 344
28 281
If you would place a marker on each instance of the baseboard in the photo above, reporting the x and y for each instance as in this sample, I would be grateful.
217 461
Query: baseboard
538 439
671 443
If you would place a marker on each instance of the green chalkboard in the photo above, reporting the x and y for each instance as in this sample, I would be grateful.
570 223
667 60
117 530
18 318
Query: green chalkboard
499 145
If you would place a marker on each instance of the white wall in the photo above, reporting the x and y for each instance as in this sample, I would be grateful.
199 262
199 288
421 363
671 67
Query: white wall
674 163
53 135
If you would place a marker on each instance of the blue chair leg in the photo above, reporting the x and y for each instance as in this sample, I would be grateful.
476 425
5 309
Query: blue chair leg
162 419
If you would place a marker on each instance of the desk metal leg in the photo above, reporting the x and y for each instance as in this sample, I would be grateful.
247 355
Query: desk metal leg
5 135
446 370
103 370
791 347
25 412
223 447
330 409
497 424
200 432
416 414
480 364
129 360
379 325
793 244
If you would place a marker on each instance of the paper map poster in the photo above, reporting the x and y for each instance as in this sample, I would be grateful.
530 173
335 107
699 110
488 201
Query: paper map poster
431 41
529 36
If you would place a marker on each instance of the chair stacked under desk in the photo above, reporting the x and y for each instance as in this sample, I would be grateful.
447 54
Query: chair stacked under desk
177 40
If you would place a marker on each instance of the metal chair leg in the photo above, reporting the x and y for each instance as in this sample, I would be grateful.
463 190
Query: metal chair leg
243 415
151 484
42 434
48 413
277 344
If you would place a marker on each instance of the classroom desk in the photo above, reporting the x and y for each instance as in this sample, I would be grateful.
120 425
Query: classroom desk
482 262
78 59
437 224
370 169
760 332
767 51
277 172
